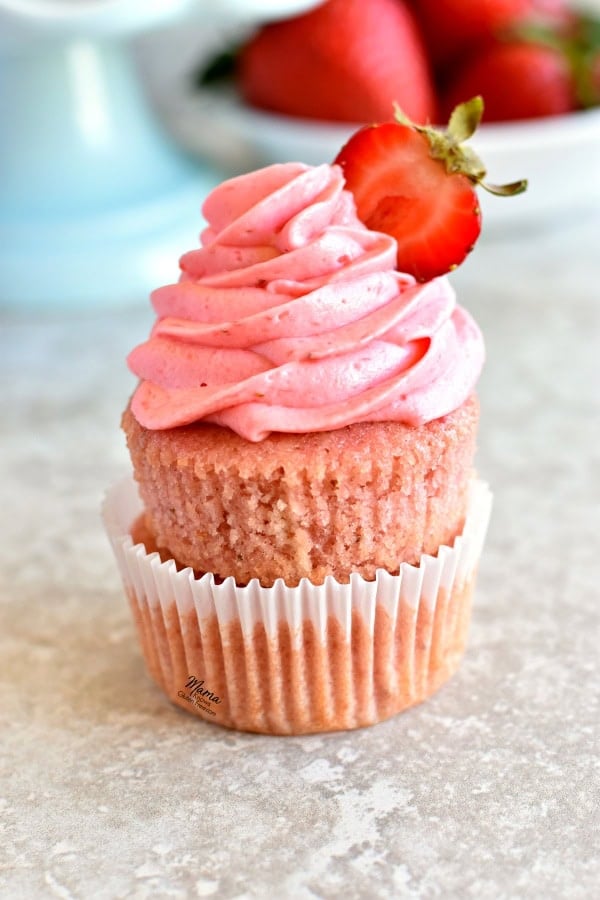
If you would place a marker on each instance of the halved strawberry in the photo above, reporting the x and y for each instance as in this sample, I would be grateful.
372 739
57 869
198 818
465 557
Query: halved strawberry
418 184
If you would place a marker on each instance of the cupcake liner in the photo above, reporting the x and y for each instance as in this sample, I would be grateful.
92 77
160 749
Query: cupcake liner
311 658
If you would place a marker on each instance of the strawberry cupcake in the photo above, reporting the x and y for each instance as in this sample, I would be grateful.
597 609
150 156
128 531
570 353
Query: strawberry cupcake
301 541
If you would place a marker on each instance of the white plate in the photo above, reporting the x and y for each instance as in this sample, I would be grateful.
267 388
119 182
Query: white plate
560 156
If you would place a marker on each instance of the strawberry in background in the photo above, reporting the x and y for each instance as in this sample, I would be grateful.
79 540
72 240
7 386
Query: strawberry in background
529 71
345 60
352 60
518 80
453 28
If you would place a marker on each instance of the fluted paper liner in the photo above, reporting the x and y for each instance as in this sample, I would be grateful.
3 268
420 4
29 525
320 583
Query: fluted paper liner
311 658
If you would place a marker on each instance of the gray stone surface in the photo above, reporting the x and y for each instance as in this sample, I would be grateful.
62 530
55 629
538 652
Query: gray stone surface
489 790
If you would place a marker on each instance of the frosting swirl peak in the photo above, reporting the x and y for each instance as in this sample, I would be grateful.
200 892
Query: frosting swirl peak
291 317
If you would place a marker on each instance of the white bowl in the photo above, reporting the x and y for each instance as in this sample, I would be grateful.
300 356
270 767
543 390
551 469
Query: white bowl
39 18
560 156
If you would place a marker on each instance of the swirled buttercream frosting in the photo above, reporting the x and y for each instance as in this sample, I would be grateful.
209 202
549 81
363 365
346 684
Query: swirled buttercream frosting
291 317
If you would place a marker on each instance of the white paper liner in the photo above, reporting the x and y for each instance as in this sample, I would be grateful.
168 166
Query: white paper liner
301 659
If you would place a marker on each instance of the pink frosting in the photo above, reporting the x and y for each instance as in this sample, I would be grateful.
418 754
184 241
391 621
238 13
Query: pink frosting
291 317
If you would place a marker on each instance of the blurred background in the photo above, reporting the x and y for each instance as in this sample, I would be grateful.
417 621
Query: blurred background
124 115
96 198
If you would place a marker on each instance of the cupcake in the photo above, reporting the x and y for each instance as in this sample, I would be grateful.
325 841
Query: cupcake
301 541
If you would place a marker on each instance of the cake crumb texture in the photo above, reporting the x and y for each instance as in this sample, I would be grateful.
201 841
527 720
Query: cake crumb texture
371 495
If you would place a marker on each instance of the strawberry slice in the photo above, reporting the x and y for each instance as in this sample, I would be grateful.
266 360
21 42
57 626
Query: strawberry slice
418 184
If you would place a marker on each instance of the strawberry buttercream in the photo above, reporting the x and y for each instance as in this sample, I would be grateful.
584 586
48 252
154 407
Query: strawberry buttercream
291 317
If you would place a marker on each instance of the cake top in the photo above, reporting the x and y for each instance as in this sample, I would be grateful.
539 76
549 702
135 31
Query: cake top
293 316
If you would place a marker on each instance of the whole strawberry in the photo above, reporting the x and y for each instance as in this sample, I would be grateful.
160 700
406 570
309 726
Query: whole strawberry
418 184
517 80
345 60
531 71
455 27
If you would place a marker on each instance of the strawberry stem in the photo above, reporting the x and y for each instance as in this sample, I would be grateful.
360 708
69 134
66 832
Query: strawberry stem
447 146
505 190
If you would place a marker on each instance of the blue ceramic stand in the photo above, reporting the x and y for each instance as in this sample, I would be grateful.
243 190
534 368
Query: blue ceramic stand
96 204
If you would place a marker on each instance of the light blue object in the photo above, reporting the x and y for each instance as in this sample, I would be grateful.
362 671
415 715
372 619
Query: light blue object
96 203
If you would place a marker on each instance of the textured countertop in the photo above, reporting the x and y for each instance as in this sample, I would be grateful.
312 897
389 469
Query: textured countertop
489 790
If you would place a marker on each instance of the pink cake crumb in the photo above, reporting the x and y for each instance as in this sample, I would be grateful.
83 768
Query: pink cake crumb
369 496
